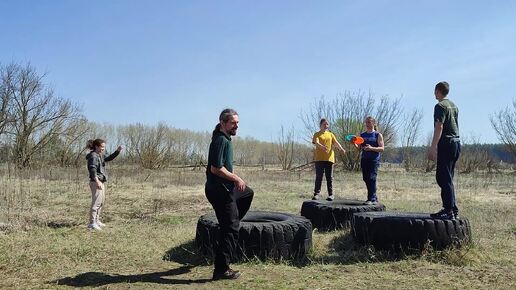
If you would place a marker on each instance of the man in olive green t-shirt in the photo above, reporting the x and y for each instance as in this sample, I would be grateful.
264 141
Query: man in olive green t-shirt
445 149
228 194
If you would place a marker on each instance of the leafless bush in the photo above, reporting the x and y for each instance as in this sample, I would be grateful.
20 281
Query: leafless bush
409 136
148 146
474 156
504 124
285 148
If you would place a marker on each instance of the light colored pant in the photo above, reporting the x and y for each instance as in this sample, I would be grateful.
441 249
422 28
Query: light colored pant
97 201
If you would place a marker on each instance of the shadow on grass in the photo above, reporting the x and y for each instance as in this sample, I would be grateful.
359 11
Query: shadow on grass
95 279
346 251
184 254
351 252
61 224
189 254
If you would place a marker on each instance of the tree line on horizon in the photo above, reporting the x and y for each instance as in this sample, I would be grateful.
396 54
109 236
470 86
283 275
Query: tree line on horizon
38 128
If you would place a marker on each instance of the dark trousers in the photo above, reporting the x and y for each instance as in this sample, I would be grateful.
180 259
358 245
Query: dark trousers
369 173
326 168
448 151
230 207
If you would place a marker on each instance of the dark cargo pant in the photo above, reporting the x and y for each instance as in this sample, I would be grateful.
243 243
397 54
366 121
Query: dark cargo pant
230 207
448 151
326 168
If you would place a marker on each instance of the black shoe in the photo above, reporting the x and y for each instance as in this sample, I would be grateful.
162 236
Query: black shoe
443 214
316 196
331 197
229 274
456 214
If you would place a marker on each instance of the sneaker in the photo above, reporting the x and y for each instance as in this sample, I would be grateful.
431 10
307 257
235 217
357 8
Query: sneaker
94 227
316 196
331 197
456 214
443 214
101 224
229 274
368 202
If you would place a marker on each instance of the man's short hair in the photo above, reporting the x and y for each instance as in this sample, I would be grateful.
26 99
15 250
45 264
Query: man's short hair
443 88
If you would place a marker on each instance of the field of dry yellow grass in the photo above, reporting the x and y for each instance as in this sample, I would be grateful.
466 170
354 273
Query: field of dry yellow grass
151 218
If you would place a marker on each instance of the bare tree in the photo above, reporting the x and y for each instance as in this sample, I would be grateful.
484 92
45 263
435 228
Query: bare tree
245 150
504 123
285 148
346 114
6 95
148 145
387 117
38 115
410 134
72 141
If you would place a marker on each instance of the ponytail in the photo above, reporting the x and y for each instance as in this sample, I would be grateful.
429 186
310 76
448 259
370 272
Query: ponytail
91 144
217 128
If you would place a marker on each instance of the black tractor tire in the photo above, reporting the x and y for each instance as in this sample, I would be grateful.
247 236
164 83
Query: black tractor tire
405 231
332 215
266 235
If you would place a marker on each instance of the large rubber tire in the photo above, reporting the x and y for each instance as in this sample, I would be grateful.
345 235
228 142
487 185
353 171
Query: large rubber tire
266 235
396 231
331 215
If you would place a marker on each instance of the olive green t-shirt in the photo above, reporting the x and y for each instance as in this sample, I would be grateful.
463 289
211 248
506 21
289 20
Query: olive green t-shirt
220 155
447 113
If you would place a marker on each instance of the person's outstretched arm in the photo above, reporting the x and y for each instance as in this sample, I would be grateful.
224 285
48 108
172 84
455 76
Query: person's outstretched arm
337 144
114 154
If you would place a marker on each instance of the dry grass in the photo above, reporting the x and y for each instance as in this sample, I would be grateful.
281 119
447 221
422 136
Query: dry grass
151 220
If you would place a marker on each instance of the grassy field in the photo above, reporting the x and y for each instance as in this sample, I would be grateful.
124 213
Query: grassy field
151 219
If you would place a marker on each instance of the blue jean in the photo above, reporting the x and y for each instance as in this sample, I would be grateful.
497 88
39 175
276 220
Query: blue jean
448 151
369 173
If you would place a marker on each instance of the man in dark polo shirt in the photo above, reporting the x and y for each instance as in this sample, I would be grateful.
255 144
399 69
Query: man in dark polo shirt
227 193
445 149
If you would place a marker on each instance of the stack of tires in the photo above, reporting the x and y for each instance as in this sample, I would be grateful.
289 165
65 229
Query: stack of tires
266 235
372 225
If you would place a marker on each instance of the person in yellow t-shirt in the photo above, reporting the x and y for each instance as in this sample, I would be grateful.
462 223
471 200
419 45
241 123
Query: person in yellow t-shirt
324 158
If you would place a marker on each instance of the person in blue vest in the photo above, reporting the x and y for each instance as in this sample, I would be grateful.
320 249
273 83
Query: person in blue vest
370 157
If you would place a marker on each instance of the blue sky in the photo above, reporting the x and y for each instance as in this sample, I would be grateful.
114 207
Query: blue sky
181 62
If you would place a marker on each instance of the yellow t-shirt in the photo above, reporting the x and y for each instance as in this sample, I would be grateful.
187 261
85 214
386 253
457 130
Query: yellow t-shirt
325 138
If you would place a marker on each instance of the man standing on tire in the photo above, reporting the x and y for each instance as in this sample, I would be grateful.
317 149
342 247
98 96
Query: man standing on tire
227 193
445 149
